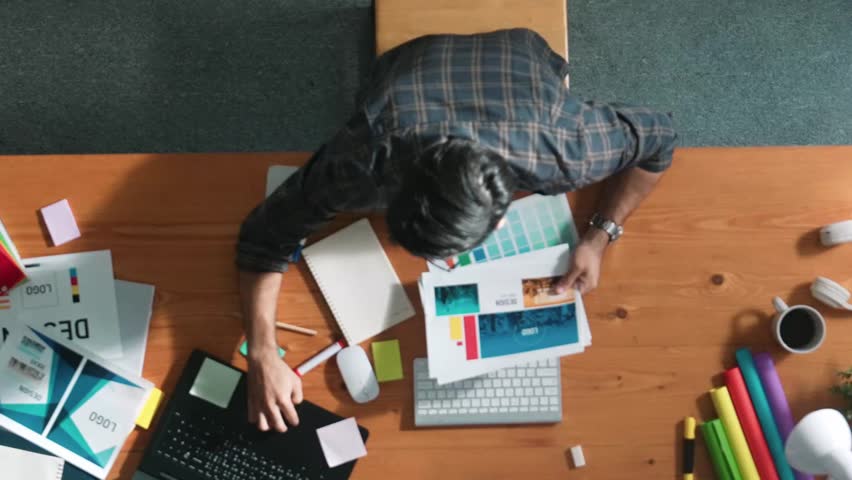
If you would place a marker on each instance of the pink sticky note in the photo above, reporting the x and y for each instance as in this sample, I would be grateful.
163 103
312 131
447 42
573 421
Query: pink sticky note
60 222
341 442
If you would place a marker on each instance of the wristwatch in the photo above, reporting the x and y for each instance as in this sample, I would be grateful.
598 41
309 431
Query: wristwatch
611 228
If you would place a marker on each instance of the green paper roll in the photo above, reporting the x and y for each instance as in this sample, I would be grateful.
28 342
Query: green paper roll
764 413
725 408
719 450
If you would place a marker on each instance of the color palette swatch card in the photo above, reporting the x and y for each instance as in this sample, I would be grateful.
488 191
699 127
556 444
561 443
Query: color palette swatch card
533 223
7 244
479 323
11 270
11 275
74 295
67 400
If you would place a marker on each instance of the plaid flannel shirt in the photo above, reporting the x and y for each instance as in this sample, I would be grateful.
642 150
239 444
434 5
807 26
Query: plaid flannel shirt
503 90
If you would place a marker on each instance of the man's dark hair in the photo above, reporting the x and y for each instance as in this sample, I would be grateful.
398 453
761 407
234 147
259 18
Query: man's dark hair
452 197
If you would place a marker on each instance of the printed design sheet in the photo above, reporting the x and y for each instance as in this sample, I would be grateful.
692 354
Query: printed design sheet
66 400
74 295
479 323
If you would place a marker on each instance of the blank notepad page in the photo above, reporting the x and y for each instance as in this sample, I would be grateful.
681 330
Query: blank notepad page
358 282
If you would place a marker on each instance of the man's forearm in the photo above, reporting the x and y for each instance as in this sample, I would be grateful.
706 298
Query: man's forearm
259 299
624 192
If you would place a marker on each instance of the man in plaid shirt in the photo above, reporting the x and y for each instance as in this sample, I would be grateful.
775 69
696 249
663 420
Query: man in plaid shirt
447 130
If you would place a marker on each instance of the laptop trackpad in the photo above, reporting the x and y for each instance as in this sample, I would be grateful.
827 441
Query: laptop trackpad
215 383
140 475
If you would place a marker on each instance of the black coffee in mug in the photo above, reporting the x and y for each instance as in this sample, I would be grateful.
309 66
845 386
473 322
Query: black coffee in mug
797 328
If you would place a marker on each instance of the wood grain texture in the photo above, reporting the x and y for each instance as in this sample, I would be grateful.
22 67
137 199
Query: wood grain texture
398 21
689 283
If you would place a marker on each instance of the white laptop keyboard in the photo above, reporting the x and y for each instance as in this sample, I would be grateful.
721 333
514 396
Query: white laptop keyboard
529 393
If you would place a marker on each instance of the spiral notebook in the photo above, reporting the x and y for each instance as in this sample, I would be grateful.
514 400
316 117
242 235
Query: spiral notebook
358 282
30 465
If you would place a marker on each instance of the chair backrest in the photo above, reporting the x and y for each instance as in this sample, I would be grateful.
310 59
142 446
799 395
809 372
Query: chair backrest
398 21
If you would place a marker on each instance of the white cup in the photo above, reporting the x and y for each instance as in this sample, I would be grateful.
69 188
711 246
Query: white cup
802 313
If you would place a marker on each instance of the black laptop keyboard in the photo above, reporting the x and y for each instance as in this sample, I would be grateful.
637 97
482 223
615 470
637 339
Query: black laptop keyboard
206 447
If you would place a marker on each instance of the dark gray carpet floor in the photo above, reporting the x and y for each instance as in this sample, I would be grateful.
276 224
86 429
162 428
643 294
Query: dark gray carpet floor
178 75
88 76
733 72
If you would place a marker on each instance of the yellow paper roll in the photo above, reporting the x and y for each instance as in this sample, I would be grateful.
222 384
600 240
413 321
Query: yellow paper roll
733 430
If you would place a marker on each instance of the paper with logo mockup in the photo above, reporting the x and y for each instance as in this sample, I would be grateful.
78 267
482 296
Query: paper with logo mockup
67 400
73 295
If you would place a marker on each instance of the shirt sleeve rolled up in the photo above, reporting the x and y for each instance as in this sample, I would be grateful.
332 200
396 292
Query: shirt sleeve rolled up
619 136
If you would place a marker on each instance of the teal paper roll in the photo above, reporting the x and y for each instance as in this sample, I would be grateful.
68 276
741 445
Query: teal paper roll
764 413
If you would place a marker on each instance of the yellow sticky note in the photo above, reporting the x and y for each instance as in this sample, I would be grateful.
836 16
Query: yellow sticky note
456 328
150 408
387 360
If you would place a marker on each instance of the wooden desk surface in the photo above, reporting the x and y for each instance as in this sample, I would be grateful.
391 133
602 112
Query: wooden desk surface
689 283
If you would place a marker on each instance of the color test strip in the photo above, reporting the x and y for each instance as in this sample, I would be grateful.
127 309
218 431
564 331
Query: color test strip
75 287
455 328
472 346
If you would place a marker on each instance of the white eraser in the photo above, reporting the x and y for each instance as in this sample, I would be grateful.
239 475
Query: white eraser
578 457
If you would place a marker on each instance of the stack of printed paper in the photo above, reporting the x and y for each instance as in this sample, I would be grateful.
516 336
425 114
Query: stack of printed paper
534 223
75 296
501 311
67 400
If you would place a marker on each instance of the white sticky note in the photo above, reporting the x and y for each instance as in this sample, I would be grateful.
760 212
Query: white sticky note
276 175
215 383
60 222
341 442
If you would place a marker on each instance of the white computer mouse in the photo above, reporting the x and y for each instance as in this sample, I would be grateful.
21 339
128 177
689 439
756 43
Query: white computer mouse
836 233
358 374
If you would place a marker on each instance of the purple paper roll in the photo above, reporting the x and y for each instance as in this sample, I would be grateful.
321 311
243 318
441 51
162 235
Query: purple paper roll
777 400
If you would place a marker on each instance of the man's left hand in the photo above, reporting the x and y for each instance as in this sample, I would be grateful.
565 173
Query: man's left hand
586 259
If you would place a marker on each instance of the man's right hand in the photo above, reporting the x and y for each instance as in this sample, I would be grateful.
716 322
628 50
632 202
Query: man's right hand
273 390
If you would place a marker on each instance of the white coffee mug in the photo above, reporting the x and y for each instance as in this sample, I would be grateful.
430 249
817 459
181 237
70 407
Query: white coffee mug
804 313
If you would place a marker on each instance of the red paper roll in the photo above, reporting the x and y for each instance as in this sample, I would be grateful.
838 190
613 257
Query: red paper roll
751 426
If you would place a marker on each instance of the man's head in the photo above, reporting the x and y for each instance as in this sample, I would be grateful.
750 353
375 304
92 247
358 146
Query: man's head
452 198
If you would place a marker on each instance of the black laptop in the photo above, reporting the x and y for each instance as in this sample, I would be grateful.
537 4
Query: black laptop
199 440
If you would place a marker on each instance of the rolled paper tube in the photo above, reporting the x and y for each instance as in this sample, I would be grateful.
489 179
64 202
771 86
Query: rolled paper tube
728 415
777 400
750 425
764 414
720 452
